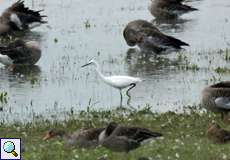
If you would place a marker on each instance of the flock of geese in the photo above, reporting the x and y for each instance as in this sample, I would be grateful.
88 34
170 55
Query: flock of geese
115 137
141 33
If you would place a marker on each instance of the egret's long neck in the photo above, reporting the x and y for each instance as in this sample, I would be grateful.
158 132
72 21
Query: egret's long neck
99 71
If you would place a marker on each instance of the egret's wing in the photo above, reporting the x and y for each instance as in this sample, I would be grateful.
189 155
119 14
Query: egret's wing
119 81
124 79
223 102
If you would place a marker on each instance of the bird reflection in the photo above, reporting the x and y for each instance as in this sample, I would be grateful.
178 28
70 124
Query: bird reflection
168 25
147 63
32 70
26 36
24 74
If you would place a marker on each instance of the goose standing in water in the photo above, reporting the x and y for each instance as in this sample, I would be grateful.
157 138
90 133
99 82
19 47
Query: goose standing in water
83 138
19 18
169 9
217 98
124 138
147 37
20 53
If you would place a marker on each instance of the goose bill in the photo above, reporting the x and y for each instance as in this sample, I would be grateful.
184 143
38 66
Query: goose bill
46 137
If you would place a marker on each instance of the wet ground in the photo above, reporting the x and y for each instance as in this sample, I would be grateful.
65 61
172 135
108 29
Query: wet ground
80 30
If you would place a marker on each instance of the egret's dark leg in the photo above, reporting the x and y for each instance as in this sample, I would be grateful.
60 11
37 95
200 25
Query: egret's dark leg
121 98
129 99
132 86
127 93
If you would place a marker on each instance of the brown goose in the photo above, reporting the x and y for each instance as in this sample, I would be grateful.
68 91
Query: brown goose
169 9
145 35
123 138
217 98
217 134
82 138
20 53
19 18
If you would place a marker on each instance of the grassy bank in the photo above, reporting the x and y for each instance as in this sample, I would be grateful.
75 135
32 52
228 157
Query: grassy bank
184 136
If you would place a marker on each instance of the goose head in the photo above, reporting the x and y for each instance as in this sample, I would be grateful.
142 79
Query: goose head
107 131
53 133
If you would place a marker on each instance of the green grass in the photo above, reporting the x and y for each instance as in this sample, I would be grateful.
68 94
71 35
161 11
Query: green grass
184 136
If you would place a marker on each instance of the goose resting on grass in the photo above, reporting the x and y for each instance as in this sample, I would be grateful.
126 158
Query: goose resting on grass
217 98
20 53
169 9
124 138
147 37
218 134
19 18
82 138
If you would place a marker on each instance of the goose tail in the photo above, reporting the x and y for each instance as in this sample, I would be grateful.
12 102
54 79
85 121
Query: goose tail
26 15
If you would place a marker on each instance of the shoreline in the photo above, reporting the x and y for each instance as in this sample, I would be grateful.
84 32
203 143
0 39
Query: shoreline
184 135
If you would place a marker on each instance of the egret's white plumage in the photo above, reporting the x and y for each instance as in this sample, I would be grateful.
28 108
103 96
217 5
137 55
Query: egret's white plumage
119 82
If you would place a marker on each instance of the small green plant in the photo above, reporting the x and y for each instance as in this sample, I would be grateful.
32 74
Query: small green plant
192 67
87 24
222 70
3 98
227 55
55 40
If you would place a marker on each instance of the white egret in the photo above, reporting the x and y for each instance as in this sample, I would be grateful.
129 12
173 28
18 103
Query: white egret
119 82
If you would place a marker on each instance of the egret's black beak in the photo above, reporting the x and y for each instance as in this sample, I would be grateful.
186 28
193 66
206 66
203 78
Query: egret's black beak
85 65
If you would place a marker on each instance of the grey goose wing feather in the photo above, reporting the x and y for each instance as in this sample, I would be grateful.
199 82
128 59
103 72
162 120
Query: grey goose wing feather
145 34
223 102
120 143
157 38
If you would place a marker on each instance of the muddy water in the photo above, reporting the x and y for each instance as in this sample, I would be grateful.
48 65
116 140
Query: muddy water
80 30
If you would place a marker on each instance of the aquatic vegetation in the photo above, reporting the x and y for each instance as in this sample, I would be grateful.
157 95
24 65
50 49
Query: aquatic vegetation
222 70
227 54
3 99
87 24
55 40
192 67
181 57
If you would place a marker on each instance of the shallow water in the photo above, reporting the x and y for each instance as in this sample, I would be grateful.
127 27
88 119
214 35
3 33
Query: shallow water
58 84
